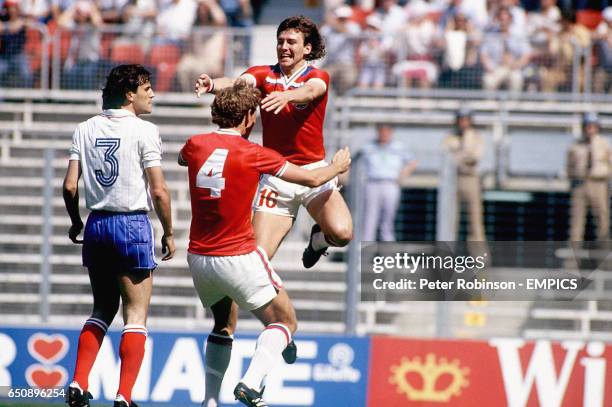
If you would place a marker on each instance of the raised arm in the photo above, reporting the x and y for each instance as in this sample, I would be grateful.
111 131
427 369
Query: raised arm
161 202
71 199
206 84
276 101
319 176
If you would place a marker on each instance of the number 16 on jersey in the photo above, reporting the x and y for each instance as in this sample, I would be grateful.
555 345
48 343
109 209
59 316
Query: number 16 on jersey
210 175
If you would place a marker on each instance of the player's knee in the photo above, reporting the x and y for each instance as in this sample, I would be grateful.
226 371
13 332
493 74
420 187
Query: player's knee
340 236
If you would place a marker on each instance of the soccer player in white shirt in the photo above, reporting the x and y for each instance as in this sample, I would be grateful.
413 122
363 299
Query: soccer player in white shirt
119 157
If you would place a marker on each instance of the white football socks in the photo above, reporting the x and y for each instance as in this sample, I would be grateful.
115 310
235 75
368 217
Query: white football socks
218 354
270 345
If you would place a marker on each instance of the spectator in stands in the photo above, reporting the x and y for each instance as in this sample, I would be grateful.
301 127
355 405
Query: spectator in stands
392 18
603 46
589 164
60 6
473 10
36 10
14 65
372 55
111 11
83 68
341 37
386 163
138 23
207 48
460 65
504 55
175 20
466 147
416 48
238 12
519 17
571 39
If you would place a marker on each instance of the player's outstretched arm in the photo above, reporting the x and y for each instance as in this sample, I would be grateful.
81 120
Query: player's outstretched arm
319 176
163 208
71 199
276 101
206 84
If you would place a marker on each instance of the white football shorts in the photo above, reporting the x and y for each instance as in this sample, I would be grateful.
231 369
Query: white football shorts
248 279
284 198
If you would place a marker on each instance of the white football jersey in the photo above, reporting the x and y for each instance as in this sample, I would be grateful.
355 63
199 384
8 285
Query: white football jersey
114 149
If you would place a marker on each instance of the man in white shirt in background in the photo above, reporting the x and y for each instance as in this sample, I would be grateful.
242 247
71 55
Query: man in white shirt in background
119 156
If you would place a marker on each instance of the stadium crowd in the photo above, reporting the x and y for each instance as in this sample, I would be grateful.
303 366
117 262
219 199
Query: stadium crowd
496 44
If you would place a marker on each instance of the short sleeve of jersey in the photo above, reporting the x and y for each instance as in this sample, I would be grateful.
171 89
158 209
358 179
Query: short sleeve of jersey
185 152
150 148
75 148
268 161
319 75
258 73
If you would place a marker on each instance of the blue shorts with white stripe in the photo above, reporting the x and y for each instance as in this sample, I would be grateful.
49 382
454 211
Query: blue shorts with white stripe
119 241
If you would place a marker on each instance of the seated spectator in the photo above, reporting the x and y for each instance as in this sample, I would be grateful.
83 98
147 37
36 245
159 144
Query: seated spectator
111 11
207 46
393 19
238 12
473 10
519 17
460 65
504 55
341 41
83 68
38 11
175 20
417 50
138 23
571 39
603 48
543 24
59 6
372 55
14 65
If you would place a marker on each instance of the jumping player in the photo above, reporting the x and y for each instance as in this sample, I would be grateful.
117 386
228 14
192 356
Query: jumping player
228 268
292 113
119 156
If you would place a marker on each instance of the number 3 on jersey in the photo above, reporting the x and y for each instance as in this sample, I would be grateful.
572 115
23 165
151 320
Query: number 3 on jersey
210 175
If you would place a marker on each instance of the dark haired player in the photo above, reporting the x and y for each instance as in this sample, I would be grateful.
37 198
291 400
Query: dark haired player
119 156
292 112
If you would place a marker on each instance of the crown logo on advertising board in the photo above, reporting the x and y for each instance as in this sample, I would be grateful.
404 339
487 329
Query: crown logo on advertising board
430 372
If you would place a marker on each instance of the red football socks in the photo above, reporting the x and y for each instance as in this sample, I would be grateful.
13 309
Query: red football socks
131 352
90 340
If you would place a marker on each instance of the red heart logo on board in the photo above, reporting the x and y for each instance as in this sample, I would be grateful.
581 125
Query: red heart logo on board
48 348
45 377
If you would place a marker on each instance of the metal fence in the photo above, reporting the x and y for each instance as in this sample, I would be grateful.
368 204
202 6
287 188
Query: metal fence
79 58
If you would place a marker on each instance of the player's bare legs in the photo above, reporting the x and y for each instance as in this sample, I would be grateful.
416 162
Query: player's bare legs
280 321
219 348
334 225
136 289
106 303
270 230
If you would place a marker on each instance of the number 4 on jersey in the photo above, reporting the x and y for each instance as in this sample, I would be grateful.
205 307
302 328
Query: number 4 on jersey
210 175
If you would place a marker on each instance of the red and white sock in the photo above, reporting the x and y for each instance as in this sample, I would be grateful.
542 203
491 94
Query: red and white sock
131 352
218 354
90 340
268 353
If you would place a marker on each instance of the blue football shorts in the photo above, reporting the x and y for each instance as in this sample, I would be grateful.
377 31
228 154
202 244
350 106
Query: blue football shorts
119 241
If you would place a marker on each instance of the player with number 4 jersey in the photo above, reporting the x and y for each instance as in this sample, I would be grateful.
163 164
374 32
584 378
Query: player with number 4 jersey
227 266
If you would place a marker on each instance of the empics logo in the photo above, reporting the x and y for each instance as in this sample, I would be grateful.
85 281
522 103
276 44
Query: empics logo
430 372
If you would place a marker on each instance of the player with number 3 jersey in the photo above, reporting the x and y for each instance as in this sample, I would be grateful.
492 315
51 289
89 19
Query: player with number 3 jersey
227 266
119 156
293 112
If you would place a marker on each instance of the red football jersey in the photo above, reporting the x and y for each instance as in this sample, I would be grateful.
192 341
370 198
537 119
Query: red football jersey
224 171
296 132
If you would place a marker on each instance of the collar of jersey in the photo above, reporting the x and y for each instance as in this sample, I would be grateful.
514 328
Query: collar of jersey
228 132
289 79
117 113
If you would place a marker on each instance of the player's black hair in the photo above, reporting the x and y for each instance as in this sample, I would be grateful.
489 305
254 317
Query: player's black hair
311 35
121 80
233 103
